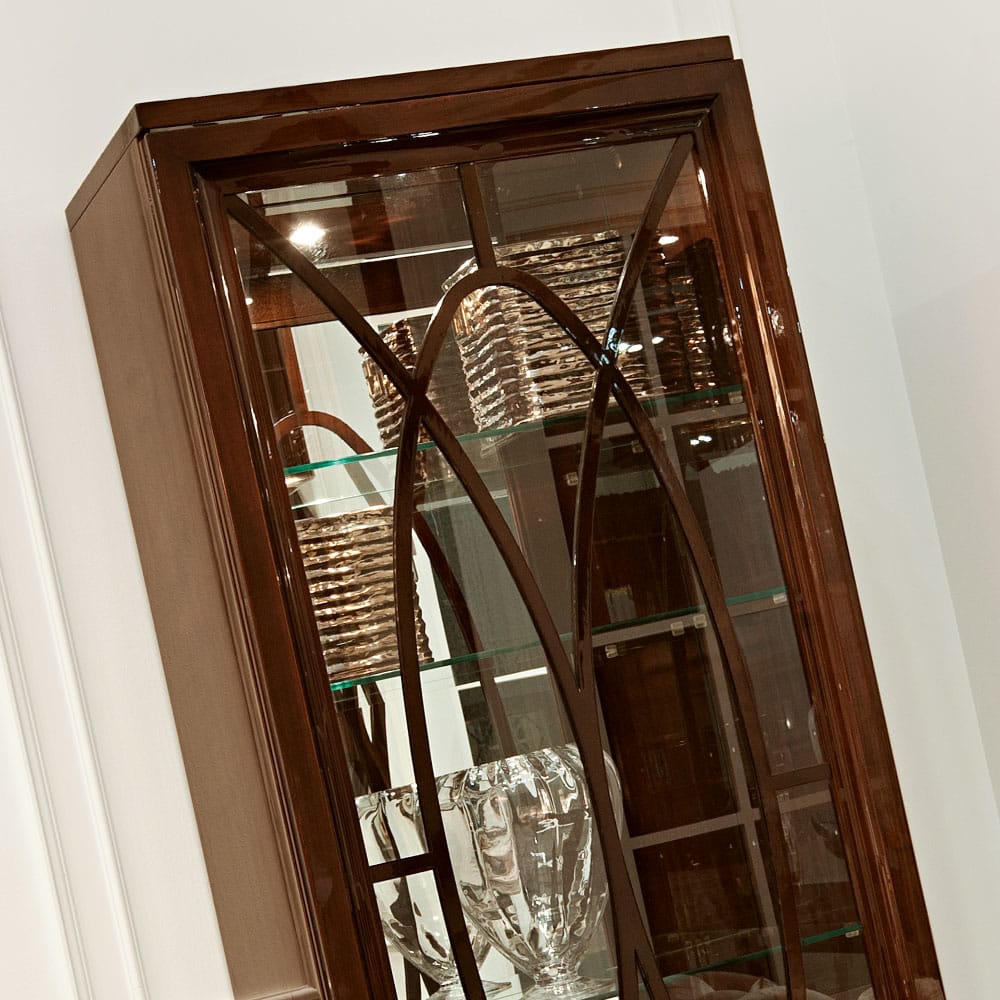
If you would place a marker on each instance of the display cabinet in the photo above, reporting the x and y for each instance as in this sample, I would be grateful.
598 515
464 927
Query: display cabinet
493 553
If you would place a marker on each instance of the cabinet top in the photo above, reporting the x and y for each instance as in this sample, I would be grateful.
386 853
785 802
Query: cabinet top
275 101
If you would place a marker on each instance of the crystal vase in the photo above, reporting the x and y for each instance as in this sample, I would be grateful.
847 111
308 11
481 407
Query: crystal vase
529 869
409 908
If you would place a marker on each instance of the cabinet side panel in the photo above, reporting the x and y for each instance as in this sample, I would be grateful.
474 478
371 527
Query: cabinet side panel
246 852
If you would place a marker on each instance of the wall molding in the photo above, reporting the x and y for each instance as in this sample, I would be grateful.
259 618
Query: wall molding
36 648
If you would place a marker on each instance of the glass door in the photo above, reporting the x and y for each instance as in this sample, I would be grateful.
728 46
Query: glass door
506 392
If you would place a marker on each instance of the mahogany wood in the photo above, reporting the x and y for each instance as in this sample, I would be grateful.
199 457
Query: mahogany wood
487 109
293 605
538 134
328 421
302 139
817 564
116 149
453 80
482 241
237 786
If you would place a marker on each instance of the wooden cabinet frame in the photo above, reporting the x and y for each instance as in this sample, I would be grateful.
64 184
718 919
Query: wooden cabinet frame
260 749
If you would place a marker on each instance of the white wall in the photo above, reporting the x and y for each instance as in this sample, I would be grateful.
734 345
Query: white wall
819 181
33 922
110 805
928 147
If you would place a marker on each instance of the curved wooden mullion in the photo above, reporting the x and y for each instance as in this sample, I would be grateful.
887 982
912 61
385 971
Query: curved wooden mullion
628 927
441 566
642 240
583 514
581 708
413 703
475 209
419 408
704 567
583 533
320 418
632 945
562 670
721 620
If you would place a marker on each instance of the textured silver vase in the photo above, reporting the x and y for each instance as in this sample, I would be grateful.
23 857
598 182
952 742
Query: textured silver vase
387 403
348 560
520 365
527 862
447 390
409 908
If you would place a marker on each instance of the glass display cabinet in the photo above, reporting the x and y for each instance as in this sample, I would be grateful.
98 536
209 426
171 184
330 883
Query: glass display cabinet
490 540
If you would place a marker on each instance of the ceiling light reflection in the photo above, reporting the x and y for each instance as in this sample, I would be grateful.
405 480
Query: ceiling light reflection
307 235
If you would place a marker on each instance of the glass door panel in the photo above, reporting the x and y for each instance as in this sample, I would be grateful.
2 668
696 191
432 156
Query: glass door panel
488 535
834 945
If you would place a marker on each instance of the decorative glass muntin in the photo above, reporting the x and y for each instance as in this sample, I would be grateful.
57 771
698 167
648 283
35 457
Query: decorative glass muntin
571 671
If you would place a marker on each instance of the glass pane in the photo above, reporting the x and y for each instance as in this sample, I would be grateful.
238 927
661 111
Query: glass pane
767 635
598 187
522 395
387 242
691 804
521 832
682 330
659 702
705 915
834 949
513 391
718 460
570 217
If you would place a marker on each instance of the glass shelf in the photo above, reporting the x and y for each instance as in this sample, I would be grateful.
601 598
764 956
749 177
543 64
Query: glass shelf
611 993
674 621
847 931
732 394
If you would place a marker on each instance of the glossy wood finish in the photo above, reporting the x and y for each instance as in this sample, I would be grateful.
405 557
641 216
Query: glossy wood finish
836 653
293 665
291 100
266 597
232 775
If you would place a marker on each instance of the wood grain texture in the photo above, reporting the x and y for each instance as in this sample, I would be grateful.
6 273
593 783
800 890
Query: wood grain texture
180 376
429 83
244 841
